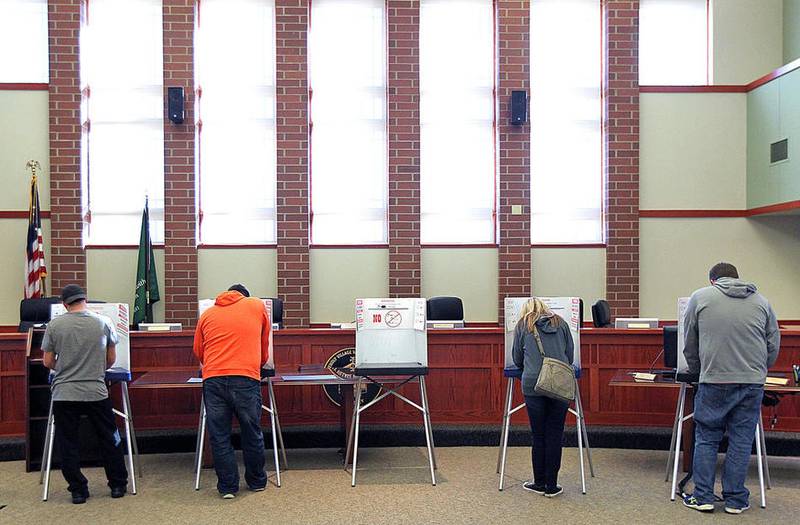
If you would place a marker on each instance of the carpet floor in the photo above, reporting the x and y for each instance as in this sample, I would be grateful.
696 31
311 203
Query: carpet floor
394 488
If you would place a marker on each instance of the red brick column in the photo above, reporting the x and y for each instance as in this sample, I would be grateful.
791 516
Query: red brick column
67 257
404 149
180 247
514 256
622 131
291 31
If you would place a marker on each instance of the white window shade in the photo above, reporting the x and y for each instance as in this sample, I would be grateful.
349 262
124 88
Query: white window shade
235 79
673 42
566 117
347 78
122 112
457 121
23 41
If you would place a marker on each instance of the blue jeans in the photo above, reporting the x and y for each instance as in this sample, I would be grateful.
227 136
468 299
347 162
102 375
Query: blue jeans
223 397
718 408
547 427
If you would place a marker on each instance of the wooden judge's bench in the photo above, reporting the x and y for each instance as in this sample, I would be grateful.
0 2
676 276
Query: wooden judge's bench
465 385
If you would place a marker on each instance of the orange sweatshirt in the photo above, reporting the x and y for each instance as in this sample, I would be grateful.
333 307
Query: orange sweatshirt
232 337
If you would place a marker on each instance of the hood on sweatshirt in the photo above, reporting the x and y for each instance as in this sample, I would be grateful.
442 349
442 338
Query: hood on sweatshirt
228 298
544 325
734 287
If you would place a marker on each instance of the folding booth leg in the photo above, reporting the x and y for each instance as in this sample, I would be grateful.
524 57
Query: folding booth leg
348 453
46 442
274 428
672 441
678 437
128 438
504 434
129 413
579 406
274 407
580 453
47 462
201 430
760 460
356 426
428 429
764 449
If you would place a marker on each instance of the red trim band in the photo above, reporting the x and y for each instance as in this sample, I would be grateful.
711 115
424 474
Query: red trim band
14 214
788 68
119 247
694 89
347 246
236 246
475 245
568 245
24 86
690 214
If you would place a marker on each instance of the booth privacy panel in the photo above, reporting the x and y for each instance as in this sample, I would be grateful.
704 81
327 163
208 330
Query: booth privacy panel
116 315
391 332
568 308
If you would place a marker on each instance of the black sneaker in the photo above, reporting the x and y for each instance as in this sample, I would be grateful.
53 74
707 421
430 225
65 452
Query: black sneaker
80 496
118 492
533 487
691 502
552 493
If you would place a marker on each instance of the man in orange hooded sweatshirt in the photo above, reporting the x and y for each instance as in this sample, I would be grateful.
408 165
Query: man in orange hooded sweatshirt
232 344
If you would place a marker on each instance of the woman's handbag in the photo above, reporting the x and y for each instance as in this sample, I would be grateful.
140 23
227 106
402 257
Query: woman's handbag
556 378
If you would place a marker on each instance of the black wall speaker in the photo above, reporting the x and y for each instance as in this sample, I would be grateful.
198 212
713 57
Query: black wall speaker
175 104
519 107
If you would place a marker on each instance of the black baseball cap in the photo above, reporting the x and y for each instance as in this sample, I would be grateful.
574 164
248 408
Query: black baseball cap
72 293
239 288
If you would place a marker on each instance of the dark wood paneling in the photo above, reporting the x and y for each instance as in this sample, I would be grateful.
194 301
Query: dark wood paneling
466 383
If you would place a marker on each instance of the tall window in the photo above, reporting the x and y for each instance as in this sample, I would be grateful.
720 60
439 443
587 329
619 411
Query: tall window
457 121
23 40
566 122
673 42
122 114
235 84
347 80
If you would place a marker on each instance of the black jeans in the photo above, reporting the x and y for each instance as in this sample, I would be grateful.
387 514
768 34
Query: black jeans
67 415
547 425
223 397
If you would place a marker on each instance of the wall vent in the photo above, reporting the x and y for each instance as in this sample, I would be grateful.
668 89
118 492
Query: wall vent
779 151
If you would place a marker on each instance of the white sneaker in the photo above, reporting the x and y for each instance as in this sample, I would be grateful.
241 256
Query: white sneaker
734 510
228 496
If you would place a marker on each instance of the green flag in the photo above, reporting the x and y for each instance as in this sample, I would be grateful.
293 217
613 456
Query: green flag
146 279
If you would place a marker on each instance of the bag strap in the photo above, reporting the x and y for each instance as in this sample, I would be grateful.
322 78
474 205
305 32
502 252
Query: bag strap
538 341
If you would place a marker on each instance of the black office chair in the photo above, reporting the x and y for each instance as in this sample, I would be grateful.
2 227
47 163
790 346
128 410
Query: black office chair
601 314
445 308
35 311
277 310
671 347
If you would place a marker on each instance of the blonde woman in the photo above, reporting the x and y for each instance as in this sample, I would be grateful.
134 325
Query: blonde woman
546 415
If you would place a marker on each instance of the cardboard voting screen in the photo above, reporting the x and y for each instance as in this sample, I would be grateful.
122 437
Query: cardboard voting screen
569 308
683 366
391 331
116 315
205 304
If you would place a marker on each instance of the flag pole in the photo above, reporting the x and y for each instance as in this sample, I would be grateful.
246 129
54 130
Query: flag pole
34 208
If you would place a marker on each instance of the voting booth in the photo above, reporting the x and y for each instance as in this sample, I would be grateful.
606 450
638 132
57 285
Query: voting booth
391 349
569 309
267 373
116 315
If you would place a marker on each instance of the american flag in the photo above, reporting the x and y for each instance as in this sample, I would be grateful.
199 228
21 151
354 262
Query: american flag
35 267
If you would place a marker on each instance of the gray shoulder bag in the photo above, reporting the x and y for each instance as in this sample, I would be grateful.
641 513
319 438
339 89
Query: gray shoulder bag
556 378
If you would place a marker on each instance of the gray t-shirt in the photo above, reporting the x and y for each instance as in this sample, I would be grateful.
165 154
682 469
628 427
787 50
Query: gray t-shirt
79 341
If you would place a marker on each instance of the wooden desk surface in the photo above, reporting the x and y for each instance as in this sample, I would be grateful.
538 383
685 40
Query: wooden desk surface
662 380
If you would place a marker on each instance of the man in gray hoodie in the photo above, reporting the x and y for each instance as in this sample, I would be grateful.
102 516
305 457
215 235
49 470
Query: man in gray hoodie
731 339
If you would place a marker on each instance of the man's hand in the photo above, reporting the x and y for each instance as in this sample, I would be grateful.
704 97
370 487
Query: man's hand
111 355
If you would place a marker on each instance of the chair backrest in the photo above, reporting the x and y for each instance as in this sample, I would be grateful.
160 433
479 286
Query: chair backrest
601 314
35 311
671 346
445 308
277 310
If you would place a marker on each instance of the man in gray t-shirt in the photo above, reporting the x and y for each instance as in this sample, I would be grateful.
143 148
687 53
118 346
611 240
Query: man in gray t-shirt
79 346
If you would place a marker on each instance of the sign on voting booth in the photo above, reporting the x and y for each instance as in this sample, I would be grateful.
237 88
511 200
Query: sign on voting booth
568 308
205 304
391 332
117 316
683 366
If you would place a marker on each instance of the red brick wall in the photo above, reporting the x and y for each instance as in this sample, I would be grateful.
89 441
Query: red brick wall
179 288
622 126
67 257
291 30
404 149
513 59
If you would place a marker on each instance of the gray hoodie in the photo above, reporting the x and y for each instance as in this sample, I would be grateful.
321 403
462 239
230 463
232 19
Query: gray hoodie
556 341
731 333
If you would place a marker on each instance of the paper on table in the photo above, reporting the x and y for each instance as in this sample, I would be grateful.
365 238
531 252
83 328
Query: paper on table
195 380
777 381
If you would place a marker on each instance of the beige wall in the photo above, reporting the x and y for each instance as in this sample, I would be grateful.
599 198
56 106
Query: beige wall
340 276
219 268
747 39
791 30
468 273
570 272
693 150
677 253
23 136
111 277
